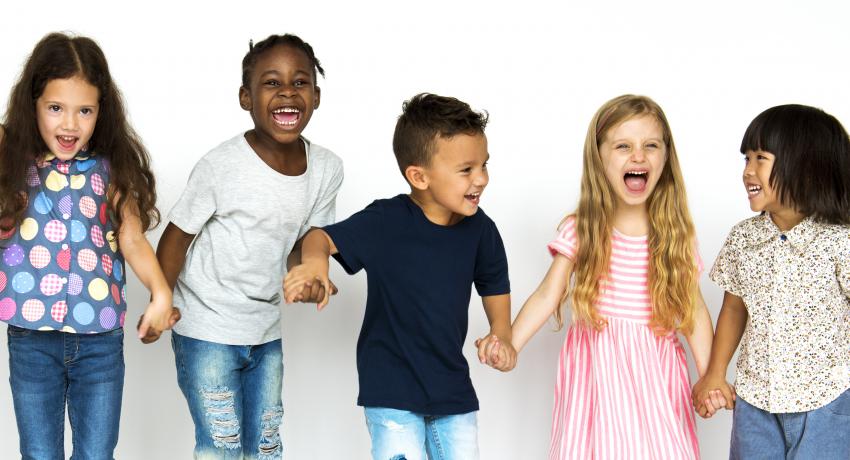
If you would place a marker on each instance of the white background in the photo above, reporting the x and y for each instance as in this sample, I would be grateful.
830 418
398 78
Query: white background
540 69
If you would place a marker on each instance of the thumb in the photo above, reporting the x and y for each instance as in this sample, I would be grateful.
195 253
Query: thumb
143 326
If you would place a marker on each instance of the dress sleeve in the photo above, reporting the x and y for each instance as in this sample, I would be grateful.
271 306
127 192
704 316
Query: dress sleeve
566 243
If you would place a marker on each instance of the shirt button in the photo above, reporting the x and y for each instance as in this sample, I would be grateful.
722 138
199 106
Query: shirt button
783 237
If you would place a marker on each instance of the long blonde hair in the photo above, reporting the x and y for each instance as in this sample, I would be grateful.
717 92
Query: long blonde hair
672 271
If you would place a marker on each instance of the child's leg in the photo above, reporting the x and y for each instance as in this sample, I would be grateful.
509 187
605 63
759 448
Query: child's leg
37 377
824 433
452 436
396 434
756 433
209 374
262 409
95 385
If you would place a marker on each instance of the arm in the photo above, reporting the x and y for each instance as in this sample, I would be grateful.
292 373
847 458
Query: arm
542 302
171 252
139 254
496 349
730 328
701 337
315 250
312 292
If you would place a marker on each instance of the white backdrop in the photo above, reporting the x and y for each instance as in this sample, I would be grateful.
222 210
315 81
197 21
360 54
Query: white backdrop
541 71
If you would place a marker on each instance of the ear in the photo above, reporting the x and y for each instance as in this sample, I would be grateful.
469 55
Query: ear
417 176
317 98
245 98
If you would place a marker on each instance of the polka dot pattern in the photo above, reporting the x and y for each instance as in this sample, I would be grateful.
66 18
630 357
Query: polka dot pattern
60 269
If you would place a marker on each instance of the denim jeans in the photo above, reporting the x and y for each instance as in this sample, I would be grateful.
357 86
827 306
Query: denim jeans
822 433
48 369
403 435
234 396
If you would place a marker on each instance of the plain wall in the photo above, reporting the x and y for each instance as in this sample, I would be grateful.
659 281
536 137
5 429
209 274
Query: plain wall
539 68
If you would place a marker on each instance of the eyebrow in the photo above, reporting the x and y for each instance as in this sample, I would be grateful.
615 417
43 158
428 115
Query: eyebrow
275 72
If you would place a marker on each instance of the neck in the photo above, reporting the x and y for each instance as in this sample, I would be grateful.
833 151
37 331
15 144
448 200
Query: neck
433 211
289 159
631 220
786 218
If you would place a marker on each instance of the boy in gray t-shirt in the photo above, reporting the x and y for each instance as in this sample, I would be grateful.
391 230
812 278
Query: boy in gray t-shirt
246 206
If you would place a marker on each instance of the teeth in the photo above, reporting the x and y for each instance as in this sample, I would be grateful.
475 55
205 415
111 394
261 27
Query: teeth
286 110
753 188
638 173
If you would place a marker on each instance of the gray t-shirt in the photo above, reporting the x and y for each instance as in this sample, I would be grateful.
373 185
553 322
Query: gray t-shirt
247 218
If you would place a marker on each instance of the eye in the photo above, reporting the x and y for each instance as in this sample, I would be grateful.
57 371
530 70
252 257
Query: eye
301 83
652 145
621 146
484 166
54 108
86 111
274 83
466 170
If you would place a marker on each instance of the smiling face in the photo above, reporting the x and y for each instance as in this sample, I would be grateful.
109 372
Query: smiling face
757 168
457 173
67 112
282 94
633 155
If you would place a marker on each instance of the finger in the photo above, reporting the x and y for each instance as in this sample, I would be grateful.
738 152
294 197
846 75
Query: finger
143 327
326 298
482 349
496 353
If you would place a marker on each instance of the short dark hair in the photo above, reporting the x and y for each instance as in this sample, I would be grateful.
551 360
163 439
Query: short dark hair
811 170
425 117
255 50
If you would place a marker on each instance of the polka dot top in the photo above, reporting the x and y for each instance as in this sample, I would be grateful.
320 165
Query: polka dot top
61 268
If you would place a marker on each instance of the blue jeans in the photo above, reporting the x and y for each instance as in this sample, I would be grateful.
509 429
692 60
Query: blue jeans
822 433
403 435
233 393
48 369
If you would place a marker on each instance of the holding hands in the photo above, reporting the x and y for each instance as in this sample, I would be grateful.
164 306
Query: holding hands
309 282
711 393
496 352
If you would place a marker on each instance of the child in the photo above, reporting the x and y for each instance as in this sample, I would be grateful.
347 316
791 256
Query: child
627 262
422 253
247 203
77 195
786 273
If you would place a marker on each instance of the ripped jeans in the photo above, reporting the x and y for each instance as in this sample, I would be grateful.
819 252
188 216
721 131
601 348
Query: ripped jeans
404 435
234 396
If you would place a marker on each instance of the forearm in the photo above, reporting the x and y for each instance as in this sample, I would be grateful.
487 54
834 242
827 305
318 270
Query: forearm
730 328
171 252
498 311
542 302
701 337
316 245
140 256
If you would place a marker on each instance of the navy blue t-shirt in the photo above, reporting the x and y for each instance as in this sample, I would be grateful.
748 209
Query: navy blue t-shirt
419 276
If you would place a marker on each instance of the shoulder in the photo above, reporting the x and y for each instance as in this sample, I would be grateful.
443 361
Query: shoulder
324 155
748 231
837 235
225 150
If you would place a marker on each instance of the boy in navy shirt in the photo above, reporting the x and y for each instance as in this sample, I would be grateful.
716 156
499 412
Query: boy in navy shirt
422 253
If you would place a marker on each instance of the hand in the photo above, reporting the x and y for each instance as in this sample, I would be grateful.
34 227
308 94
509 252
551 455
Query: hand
496 353
151 334
314 292
711 393
312 272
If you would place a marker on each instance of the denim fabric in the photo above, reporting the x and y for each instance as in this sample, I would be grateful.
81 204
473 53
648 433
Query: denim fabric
822 433
48 369
403 435
234 396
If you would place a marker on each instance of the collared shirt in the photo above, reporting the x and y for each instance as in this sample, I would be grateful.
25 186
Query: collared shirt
61 269
795 352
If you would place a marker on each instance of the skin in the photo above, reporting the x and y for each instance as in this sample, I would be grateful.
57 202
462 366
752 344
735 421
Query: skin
283 77
448 189
66 113
634 144
733 314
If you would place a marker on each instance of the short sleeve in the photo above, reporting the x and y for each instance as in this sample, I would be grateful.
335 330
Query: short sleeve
566 242
198 202
491 263
324 212
725 272
357 238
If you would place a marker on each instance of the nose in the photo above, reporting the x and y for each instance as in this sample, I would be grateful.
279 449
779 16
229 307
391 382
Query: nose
286 90
481 179
70 122
638 155
749 169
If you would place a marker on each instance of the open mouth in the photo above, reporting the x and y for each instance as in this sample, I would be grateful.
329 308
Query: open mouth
66 142
286 116
635 180
753 190
473 197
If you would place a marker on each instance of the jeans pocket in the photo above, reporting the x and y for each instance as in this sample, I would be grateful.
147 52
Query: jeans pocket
841 405
18 332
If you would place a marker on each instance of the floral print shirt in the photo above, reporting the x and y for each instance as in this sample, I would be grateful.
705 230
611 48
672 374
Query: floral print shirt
61 268
795 352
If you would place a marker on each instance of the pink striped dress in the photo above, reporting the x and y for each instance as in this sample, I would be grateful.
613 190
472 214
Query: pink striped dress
621 392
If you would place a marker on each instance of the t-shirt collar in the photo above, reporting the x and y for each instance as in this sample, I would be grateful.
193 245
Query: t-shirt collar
799 236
